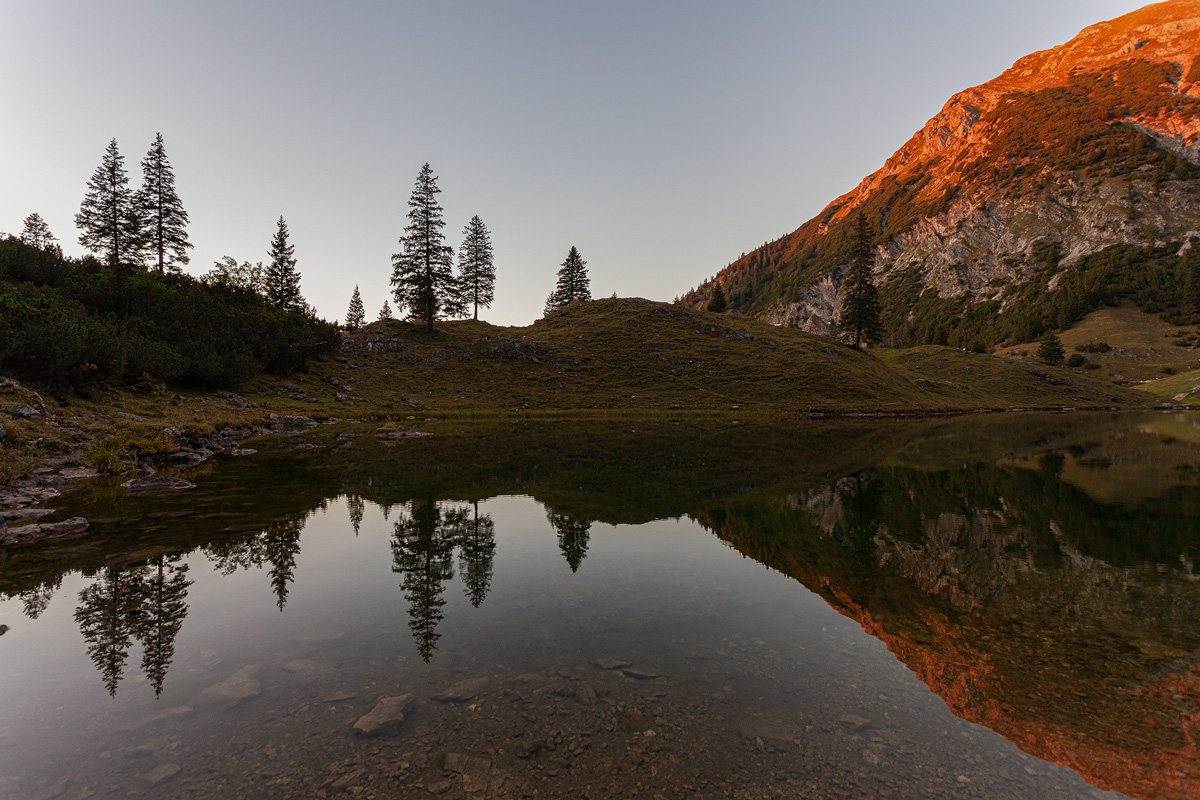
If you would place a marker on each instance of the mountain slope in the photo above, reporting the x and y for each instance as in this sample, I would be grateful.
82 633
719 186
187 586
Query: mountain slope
1074 149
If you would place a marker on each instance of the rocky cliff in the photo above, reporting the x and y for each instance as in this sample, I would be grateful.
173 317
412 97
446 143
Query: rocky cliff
1074 149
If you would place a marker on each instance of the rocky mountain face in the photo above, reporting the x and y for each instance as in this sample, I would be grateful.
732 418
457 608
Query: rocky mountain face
1074 149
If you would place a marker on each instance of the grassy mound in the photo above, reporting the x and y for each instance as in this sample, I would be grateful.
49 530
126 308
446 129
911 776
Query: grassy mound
637 354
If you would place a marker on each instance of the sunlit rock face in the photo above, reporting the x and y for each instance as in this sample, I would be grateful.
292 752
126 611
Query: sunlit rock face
988 584
1089 144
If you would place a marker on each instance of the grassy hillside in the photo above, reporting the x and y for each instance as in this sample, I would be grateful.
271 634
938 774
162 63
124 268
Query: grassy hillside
636 354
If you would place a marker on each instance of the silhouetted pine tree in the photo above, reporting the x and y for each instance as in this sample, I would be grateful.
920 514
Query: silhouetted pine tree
356 507
386 311
163 608
573 282
282 278
477 555
355 315
422 277
573 536
717 303
423 553
476 272
860 296
106 615
161 211
36 233
108 219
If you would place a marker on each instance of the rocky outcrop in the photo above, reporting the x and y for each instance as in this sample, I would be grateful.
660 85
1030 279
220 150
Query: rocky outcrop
36 532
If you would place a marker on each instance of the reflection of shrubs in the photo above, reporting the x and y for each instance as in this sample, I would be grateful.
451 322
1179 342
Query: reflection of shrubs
1076 360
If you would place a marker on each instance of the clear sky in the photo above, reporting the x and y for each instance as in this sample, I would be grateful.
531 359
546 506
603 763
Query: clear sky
663 139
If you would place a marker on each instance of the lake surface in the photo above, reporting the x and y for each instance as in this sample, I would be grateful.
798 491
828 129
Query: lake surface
980 607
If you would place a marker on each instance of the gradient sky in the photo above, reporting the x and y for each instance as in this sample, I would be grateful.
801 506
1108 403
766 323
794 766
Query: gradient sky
663 139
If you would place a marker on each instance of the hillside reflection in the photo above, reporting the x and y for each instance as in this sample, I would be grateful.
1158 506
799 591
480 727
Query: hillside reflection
1040 579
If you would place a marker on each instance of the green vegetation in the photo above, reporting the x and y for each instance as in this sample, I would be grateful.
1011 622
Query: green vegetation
1050 348
859 295
476 270
717 304
422 280
70 324
356 316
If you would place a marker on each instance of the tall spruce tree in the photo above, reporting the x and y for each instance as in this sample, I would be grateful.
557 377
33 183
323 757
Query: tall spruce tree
108 219
161 211
860 296
36 233
282 278
355 315
717 303
476 272
573 282
385 312
422 276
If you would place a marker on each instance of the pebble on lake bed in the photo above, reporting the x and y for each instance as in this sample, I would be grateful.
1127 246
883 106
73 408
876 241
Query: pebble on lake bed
386 717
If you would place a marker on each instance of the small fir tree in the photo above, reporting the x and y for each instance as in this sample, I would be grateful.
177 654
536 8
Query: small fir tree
860 296
573 282
385 312
161 211
36 233
1050 348
717 303
1191 276
108 219
476 272
422 277
282 278
355 315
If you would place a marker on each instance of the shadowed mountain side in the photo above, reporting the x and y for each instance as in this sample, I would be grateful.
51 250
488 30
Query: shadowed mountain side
637 354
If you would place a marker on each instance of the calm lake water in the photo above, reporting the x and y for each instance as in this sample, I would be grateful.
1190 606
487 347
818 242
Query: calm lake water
981 607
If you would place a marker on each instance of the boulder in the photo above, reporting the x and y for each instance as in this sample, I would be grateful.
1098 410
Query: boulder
154 485
234 690
23 410
386 717
27 534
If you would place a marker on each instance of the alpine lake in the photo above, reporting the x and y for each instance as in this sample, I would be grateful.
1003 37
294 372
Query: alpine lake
988 606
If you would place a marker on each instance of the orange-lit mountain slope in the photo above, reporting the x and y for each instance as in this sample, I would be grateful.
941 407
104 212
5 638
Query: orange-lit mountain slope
1089 144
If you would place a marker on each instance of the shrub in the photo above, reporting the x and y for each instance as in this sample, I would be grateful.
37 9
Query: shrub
1076 360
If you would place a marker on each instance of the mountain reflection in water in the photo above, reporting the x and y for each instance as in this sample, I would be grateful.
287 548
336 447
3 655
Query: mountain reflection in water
1038 577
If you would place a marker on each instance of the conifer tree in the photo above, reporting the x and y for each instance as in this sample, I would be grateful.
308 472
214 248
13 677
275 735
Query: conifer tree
385 312
573 282
1191 277
422 277
476 272
1050 348
717 303
36 233
860 296
161 211
355 315
573 536
282 278
108 219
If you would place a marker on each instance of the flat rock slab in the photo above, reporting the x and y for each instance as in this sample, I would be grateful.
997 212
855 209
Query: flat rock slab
611 663
24 514
854 722
157 484
639 674
242 451
161 774
463 691
394 435
45 530
386 717
75 473
234 690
